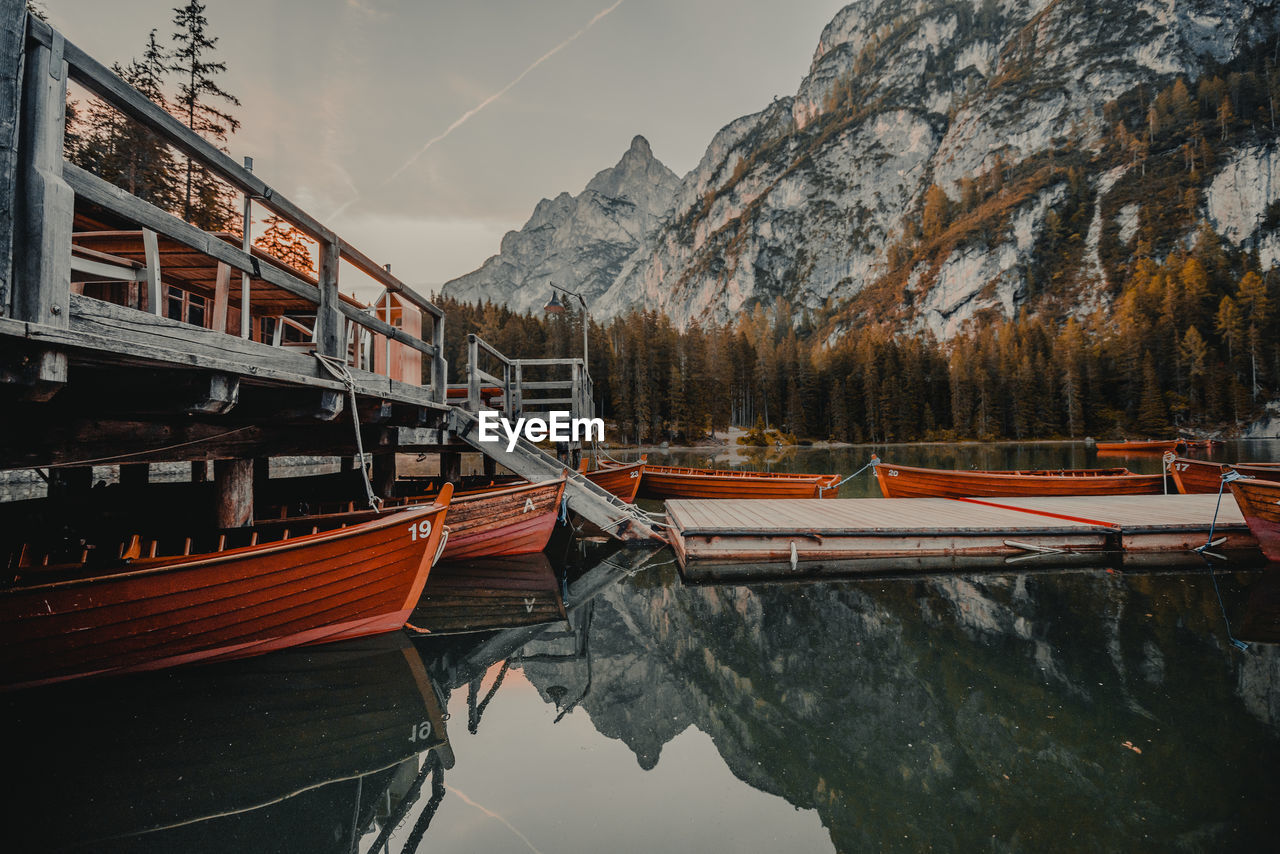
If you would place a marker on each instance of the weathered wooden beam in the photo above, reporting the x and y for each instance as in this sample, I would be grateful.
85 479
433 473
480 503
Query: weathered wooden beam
218 394
13 16
328 332
151 254
67 441
44 202
221 298
233 487
40 373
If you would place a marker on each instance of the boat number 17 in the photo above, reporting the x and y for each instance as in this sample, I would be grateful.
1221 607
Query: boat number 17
420 531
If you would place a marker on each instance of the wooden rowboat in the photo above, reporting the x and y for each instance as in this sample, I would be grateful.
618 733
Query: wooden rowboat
1259 501
622 479
672 482
148 603
1199 476
484 521
1140 446
912 482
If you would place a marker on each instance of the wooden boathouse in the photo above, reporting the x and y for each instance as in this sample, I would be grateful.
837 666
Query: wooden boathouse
130 337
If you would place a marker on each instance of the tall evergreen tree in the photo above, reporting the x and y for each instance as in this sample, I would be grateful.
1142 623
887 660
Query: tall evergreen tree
206 201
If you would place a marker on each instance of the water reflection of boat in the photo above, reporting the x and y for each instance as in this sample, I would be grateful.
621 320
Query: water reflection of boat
144 603
1140 446
914 482
288 752
489 593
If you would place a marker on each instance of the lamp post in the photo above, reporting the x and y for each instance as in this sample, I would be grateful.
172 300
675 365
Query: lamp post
554 306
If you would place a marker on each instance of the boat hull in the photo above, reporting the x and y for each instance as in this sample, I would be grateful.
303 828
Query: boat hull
664 482
1198 476
1259 501
912 482
161 612
516 520
623 481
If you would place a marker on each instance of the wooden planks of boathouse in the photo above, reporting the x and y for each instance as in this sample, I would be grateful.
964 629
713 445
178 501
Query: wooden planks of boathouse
749 538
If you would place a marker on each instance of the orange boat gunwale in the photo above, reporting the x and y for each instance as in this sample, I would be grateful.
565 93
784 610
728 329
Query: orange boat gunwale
684 482
958 483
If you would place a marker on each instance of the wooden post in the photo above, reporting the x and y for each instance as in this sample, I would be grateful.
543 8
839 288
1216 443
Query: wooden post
45 207
473 373
439 365
328 331
384 475
200 471
221 297
246 243
517 394
451 466
70 479
233 488
13 18
490 465
151 256
134 475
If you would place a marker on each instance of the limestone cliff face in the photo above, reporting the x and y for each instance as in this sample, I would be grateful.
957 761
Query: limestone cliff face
579 242
820 195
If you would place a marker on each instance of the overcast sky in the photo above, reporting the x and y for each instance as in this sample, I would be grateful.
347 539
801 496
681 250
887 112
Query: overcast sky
352 107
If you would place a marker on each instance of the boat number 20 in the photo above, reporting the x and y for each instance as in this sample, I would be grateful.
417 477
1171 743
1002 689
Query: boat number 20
420 531
421 732
893 472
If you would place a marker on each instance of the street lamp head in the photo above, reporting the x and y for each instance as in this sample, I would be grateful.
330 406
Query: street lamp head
554 306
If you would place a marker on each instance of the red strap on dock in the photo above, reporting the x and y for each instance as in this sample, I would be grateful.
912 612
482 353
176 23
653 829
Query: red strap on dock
1063 516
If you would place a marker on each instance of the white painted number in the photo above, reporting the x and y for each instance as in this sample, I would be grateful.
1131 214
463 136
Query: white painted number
893 472
635 474
420 531
421 732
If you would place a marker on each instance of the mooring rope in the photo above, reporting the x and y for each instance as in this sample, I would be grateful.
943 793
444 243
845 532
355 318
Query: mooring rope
1227 477
875 461
338 369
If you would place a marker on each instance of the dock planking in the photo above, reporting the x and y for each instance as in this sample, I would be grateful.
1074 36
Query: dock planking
744 538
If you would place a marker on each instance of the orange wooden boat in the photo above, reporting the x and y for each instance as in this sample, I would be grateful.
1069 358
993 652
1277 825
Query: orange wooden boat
145 604
1196 477
484 521
911 482
622 479
1259 501
1140 446
1200 477
673 482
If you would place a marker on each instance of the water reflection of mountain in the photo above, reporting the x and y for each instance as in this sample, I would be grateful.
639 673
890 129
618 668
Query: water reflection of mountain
1034 711
297 751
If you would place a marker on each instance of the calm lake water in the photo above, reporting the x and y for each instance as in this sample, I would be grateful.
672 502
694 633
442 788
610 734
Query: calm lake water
1083 709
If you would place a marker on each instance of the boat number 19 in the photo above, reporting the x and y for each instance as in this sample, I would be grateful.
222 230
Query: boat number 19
421 732
420 531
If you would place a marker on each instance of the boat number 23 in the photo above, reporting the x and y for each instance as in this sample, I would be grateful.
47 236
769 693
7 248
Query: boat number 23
421 732
420 531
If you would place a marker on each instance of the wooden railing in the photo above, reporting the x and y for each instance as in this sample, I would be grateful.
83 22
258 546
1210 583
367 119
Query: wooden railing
35 282
519 395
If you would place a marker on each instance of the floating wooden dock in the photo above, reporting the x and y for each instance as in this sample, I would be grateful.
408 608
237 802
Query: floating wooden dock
739 538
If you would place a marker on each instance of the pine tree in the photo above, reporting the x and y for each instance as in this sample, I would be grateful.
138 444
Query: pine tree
206 201
288 243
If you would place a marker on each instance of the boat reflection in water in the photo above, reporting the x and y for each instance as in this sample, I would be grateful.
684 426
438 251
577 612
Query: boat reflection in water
303 750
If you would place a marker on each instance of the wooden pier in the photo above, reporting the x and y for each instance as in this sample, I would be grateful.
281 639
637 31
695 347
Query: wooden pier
744 539
130 337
